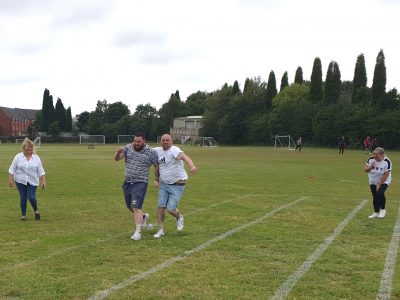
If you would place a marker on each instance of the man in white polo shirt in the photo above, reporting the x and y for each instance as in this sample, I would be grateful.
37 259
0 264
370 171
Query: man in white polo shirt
172 181
379 169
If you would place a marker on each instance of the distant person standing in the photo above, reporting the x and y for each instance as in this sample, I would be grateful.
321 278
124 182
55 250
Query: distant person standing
138 159
342 145
367 144
374 144
298 144
379 169
26 169
173 179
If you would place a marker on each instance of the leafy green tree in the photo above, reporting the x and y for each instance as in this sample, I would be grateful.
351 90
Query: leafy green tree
97 118
378 90
292 112
316 90
359 80
271 90
59 114
145 119
115 111
284 81
83 119
195 104
68 119
236 89
254 95
172 109
54 129
332 84
298 78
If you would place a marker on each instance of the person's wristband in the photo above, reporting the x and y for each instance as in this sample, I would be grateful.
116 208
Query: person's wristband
156 179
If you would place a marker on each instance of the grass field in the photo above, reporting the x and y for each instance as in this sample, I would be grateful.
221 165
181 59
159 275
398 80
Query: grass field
259 222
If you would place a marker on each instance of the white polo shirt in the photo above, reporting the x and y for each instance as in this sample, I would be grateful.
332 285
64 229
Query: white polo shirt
171 168
379 169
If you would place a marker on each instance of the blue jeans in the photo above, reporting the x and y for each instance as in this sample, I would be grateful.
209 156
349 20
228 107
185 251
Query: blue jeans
169 195
27 192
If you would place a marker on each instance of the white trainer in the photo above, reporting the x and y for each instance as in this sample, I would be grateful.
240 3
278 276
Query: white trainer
159 234
136 236
382 213
374 215
146 217
180 223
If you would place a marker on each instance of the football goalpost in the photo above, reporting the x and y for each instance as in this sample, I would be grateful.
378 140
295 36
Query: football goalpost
208 141
125 139
284 142
37 142
92 139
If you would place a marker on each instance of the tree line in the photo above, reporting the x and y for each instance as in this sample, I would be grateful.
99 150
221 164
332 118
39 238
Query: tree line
319 110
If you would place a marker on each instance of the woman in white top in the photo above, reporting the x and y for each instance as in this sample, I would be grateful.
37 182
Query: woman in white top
25 171
379 169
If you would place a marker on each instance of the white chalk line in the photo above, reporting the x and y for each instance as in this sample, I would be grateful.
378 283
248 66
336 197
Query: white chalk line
107 292
90 244
385 288
345 180
283 291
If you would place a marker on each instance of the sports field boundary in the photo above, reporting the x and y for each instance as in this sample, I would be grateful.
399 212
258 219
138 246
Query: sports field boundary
94 243
107 292
283 291
385 288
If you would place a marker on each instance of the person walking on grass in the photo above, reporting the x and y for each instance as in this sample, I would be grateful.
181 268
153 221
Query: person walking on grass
172 183
299 142
379 169
138 159
26 169
342 145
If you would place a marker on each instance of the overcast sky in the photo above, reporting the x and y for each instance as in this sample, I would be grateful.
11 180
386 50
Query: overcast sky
140 52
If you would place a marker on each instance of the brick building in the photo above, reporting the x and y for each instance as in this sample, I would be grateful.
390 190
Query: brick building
15 121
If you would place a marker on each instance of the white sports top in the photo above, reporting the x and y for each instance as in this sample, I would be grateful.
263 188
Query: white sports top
379 169
171 168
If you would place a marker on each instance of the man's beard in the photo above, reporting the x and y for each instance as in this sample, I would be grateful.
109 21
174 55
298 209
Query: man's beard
138 148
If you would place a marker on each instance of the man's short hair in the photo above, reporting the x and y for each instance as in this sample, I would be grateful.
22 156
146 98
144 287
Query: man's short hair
140 134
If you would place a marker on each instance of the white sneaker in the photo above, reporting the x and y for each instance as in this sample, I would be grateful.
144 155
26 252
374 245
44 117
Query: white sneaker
179 223
136 236
382 213
146 217
159 234
374 215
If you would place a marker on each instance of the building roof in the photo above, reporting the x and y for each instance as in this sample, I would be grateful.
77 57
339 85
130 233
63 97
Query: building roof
19 113
190 118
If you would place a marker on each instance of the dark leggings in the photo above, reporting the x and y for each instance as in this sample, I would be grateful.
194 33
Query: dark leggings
27 192
379 199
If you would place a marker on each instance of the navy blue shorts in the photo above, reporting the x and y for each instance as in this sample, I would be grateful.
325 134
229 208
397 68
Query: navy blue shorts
134 194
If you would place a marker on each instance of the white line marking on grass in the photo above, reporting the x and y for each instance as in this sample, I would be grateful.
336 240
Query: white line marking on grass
344 180
86 245
283 291
385 288
107 292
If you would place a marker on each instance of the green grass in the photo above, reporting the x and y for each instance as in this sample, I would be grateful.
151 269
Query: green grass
82 244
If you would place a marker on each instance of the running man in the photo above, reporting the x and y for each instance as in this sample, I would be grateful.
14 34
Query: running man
138 159
173 179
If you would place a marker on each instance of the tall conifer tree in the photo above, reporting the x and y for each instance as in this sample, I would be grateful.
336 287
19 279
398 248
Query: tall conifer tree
271 90
316 90
332 83
68 119
360 77
284 81
60 114
298 78
378 90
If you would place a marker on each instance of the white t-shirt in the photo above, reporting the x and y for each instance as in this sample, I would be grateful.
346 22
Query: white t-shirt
379 169
171 168
26 171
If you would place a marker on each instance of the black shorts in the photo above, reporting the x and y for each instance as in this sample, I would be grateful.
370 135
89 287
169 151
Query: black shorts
134 194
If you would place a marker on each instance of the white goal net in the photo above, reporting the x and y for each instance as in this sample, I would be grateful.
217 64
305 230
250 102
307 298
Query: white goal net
284 142
208 141
92 139
37 142
125 139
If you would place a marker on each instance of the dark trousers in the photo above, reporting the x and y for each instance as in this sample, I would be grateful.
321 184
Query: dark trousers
27 192
298 147
379 199
341 150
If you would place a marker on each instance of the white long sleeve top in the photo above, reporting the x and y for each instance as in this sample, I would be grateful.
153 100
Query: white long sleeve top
26 171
